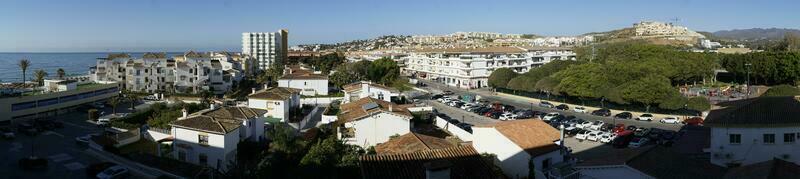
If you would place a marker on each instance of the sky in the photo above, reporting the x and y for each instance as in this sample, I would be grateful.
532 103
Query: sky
180 25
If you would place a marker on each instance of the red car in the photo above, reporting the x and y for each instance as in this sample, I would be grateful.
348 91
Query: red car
694 121
619 128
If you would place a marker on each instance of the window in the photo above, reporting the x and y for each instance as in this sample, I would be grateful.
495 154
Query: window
788 137
305 83
735 138
546 163
202 159
769 138
182 155
202 139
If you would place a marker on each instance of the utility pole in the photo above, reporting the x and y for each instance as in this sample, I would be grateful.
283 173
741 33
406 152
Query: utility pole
593 53
748 80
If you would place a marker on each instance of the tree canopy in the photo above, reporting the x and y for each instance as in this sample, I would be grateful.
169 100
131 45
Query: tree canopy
500 77
782 90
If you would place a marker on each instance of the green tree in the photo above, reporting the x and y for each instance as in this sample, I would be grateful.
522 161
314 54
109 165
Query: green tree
584 81
383 71
650 90
698 104
782 90
61 73
114 101
500 77
673 102
23 65
548 85
40 75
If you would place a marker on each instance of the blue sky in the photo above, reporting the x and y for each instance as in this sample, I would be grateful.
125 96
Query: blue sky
179 25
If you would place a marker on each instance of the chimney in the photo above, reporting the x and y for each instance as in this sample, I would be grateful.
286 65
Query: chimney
266 86
185 113
561 142
253 90
213 106
439 169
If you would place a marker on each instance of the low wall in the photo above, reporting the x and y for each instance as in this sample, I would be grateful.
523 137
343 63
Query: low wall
420 109
320 100
309 120
156 134
453 129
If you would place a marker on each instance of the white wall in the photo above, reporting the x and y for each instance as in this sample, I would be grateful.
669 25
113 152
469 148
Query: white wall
275 109
218 146
453 129
308 87
378 128
513 160
321 100
752 148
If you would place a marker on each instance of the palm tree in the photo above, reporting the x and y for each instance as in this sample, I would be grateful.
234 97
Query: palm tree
40 74
61 73
23 65
132 98
114 101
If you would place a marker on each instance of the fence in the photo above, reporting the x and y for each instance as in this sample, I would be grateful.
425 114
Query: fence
156 134
453 129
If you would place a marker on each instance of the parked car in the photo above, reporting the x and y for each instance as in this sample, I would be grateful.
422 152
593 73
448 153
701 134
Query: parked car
631 128
550 116
596 125
669 120
116 171
448 92
525 114
437 96
641 132
546 104
694 121
622 139
579 109
645 117
103 122
95 168
593 136
84 140
624 115
584 125
638 142
607 137
607 127
562 107
573 132
7 133
468 105
619 128
508 116
582 135
602 112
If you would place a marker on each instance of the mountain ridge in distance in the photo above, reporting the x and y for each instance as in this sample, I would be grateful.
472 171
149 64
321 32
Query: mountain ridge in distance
754 33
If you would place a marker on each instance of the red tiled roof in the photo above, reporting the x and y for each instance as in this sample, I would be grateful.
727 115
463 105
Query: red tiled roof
412 142
466 163
276 93
533 136
354 111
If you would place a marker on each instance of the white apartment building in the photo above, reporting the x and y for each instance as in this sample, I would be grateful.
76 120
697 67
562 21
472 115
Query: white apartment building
278 102
764 129
309 82
265 47
469 68
369 121
210 137
188 73
367 89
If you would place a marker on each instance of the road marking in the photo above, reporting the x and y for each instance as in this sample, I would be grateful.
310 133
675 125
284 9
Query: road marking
60 157
74 166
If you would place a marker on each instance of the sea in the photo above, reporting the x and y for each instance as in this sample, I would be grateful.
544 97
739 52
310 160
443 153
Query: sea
74 64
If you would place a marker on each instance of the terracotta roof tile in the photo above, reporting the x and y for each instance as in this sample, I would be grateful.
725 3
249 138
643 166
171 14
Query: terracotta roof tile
533 136
762 111
357 86
355 110
466 163
412 142
220 121
276 93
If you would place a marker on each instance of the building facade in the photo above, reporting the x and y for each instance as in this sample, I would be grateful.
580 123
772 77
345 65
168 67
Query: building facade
210 137
279 102
764 129
191 72
470 68
515 148
310 83
366 89
50 104
265 47
368 122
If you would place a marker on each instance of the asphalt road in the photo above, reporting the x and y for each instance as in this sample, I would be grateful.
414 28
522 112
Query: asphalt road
520 104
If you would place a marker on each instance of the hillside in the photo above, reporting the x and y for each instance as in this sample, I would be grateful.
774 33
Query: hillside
754 34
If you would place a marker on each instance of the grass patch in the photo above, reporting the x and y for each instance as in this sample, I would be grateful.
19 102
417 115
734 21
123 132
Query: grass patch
143 145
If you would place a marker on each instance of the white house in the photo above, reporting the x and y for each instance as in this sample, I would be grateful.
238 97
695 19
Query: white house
517 142
310 83
368 121
278 102
210 137
763 129
60 85
363 89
